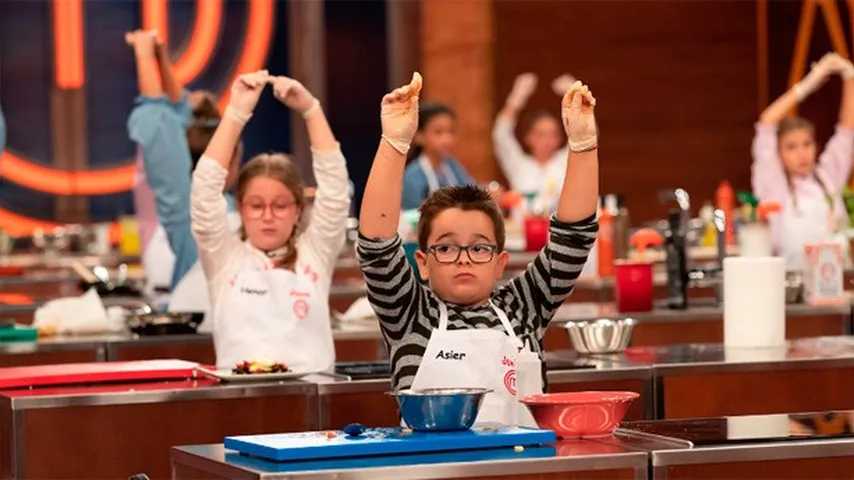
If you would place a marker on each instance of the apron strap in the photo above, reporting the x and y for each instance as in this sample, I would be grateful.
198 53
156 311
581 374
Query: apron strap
443 315
505 322
432 181
450 177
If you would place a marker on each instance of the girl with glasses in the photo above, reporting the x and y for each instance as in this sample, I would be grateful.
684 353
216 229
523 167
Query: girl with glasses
269 284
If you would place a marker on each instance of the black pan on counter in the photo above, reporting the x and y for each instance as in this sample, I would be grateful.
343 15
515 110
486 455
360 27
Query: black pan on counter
165 323
363 370
110 289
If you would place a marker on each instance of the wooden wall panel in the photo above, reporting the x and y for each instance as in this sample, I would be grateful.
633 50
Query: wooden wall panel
458 43
676 83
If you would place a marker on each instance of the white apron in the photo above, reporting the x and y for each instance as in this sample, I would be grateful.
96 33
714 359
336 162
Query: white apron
810 222
432 180
275 315
476 358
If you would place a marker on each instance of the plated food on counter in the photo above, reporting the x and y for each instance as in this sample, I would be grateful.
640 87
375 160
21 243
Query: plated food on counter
248 367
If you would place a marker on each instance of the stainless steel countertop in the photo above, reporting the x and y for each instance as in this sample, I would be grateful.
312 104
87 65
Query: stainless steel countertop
753 452
39 278
51 344
825 352
119 340
698 310
571 456
151 392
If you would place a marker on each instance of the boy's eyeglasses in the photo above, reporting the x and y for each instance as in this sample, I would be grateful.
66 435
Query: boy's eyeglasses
255 211
450 253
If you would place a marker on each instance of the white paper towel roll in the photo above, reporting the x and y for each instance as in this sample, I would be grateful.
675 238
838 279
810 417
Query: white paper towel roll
754 302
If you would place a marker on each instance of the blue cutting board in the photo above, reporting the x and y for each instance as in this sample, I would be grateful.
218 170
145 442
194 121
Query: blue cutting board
348 463
381 441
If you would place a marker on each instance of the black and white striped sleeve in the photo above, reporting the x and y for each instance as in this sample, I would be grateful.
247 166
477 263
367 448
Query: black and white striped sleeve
551 276
392 286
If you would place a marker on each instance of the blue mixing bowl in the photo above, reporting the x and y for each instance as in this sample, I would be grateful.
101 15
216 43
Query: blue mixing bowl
440 409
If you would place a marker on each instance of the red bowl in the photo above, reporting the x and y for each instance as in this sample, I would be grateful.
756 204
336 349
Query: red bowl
580 414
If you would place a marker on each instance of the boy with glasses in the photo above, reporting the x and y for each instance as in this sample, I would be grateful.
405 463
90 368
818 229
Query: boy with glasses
460 329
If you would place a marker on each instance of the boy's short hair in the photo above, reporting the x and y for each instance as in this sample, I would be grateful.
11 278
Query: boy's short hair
466 197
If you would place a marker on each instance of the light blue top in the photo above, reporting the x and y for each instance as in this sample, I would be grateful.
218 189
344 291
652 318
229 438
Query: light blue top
159 126
416 188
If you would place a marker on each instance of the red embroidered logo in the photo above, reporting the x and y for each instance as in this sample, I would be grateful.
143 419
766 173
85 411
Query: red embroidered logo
510 382
301 309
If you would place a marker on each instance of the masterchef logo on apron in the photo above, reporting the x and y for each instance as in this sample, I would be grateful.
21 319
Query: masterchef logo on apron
300 305
509 375
510 381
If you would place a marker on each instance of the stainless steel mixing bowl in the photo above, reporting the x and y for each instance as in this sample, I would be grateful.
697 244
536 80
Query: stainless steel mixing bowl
600 336
440 409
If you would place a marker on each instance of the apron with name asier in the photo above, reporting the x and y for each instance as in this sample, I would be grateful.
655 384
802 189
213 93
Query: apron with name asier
476 358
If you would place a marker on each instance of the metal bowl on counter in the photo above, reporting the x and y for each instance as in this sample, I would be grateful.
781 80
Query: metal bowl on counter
601 336
440 409
164 323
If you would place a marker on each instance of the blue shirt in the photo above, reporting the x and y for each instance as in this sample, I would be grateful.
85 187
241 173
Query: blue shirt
159 126
416 188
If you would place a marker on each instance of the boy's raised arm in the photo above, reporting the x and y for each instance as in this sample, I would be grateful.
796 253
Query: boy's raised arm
580 192
381 202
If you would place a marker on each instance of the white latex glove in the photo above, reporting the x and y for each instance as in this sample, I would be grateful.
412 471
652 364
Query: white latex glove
561 84
245 92
819 72
847 71
841 65
147 38
399 114
578 119
294 95
523 87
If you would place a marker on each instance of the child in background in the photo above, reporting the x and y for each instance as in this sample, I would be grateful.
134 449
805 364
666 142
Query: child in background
171 128
538 169
460 329
785 169
433 165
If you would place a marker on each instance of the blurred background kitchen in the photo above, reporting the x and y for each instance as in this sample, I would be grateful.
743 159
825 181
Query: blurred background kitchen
685 82
681 87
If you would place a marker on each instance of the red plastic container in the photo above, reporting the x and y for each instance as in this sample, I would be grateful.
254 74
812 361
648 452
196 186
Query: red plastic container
633 285
580 414
536 233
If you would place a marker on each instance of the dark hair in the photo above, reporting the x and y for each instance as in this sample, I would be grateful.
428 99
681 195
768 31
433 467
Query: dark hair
202 126
277 166
530 119
790 124
465 197
427 111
